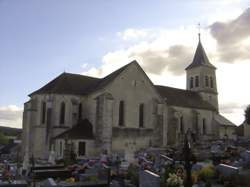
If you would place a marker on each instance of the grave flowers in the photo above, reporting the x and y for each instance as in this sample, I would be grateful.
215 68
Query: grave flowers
174 180
207 173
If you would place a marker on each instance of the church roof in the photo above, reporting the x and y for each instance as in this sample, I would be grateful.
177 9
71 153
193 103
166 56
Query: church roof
109 78
68 83
82 130
183 98
200 58
75 84
221 120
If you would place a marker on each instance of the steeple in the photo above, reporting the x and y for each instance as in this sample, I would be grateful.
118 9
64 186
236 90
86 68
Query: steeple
201 76
200 57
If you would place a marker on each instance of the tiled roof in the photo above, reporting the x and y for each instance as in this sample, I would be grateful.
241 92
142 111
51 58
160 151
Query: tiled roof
200 58
68 83
183 98
109 78
82 130
221 120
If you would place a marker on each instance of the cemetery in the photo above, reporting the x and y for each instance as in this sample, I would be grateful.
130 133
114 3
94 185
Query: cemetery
217 164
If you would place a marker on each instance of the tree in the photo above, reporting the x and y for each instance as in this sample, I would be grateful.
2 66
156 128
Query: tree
247 115
3 139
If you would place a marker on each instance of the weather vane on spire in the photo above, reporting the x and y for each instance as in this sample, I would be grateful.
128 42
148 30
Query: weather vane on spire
199 31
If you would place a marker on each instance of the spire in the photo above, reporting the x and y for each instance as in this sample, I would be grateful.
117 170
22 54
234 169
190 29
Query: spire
199 32
200 57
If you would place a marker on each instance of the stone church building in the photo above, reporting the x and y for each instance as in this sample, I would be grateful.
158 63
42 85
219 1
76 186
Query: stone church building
123 112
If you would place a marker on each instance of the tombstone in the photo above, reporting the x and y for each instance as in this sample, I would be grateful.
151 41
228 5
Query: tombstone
246 157
49 183
148 179
25 164
129 156
103 174
196 167
93 170
52 157
115 183
227 170
170 160
216 149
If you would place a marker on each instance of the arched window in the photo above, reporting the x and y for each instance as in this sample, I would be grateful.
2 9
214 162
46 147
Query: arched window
81 148
191 82
80 111
204 130
121 113
206 81
181 125
43 112
60 148
62 113
141 115
211 82
196 81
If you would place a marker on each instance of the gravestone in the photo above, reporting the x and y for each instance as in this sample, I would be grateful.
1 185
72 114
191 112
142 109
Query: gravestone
170 160
52 157
115 183
148 179
227 170
246 157
49 183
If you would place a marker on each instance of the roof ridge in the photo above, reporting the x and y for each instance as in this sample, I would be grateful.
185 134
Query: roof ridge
110 77
81 75
174 88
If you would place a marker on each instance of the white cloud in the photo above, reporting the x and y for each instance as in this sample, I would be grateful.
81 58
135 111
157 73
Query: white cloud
11 116
133 34
170 52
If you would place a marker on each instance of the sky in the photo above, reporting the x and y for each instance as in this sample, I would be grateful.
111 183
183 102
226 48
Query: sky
40 39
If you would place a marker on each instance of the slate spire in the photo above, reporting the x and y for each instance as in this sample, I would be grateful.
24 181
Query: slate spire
200 57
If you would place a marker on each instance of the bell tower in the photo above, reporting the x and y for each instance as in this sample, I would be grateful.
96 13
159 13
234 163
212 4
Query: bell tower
201 76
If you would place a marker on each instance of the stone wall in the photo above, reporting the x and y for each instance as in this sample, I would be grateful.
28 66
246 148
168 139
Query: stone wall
192 119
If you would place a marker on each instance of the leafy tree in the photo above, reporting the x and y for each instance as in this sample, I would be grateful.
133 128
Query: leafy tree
3 139
247 115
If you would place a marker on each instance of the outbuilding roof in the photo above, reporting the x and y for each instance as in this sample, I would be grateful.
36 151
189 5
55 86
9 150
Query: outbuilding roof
222 121
82 130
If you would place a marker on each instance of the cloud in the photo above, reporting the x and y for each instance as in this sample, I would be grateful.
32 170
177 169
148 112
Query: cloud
133 34
155 61
173 59
231 38
11 116
170 52
231 107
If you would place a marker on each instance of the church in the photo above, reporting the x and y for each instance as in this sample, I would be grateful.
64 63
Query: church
123 112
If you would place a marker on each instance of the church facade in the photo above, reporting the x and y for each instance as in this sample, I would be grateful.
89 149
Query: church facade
123 112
